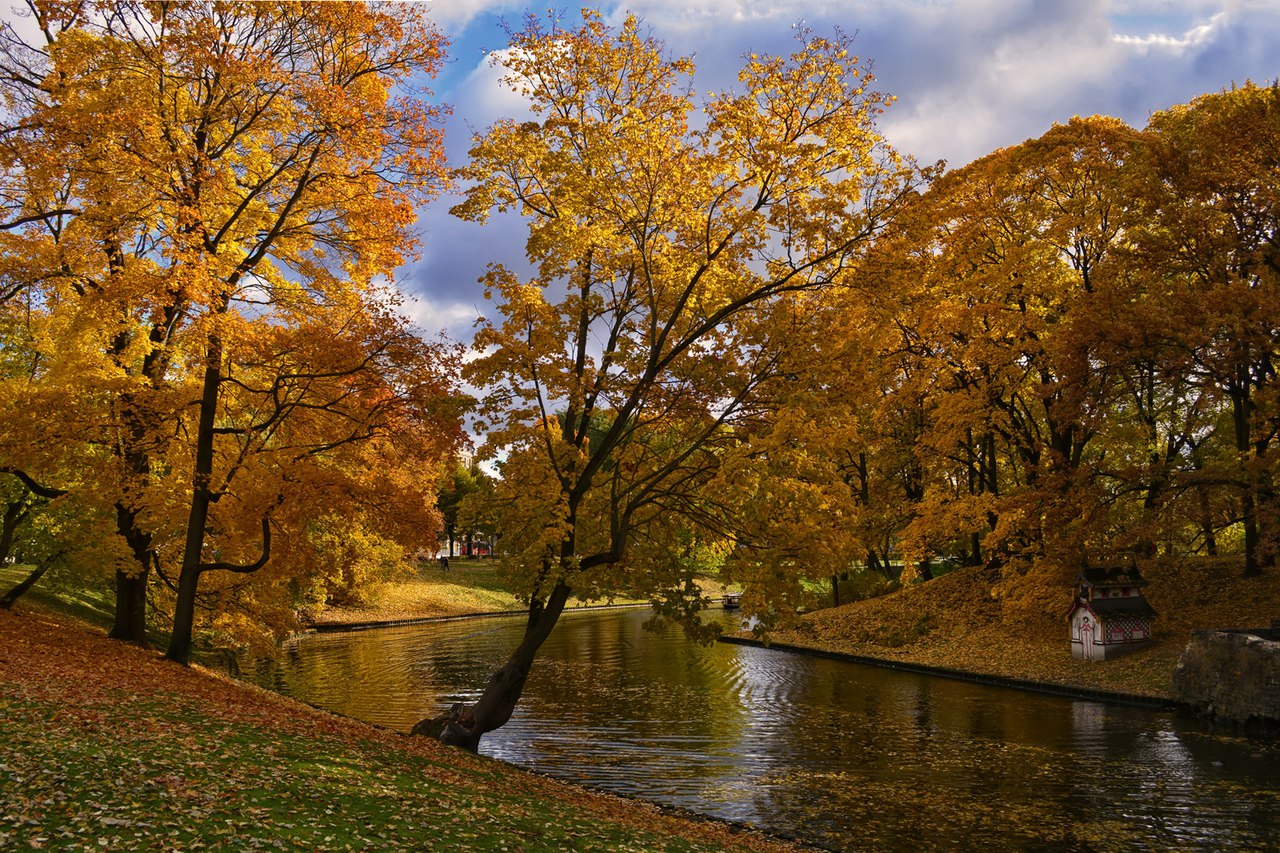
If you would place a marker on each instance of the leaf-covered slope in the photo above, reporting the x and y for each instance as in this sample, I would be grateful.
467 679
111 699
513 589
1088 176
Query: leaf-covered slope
107 747
956 621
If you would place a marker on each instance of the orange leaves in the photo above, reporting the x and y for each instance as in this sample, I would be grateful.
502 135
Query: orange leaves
214 190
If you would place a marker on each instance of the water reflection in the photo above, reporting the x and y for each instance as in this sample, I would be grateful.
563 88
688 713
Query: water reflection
846 756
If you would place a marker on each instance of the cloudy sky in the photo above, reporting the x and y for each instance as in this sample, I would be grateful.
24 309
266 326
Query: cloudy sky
970 76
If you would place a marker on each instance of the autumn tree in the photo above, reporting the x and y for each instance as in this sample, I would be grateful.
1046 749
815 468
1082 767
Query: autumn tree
667 238
209 195
1213 195
1083 357
992 389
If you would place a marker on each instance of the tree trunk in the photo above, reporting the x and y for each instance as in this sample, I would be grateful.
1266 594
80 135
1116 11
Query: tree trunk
1206 521
131 608
130 622
198 519
835 590
25 584
15 513
1241 412
1205 507
464 725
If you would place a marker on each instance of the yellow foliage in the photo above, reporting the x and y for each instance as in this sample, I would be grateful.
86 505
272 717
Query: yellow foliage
676 245
209 193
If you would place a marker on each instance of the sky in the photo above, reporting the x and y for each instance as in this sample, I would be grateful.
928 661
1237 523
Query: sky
970 76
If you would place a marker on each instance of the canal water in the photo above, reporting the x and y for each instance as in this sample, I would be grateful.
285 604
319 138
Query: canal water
841 755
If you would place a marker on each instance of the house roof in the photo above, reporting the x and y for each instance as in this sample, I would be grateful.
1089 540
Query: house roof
1134 606
1113 576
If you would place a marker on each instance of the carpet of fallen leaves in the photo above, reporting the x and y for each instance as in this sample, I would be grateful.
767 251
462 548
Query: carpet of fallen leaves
955 621
107 747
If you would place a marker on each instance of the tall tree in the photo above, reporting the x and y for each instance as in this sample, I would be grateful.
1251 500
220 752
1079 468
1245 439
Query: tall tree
193 178
1214 233
666 250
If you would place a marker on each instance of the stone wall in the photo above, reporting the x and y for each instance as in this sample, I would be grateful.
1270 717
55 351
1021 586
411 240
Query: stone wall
1232 675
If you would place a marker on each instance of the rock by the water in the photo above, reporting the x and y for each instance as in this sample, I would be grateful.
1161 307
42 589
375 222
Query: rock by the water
1231 675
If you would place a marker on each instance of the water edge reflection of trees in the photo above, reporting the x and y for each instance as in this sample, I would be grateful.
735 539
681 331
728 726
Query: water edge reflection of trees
849 756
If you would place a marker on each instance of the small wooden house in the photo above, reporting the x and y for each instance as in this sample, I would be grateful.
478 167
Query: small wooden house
1109 616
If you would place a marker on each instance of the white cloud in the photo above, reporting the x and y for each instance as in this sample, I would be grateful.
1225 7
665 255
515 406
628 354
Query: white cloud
456 14
1195 36
482 98
454 318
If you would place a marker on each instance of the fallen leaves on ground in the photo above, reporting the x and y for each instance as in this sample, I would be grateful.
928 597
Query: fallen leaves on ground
108 747
954 621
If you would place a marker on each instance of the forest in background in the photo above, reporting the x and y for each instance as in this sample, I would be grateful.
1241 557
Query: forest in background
768 344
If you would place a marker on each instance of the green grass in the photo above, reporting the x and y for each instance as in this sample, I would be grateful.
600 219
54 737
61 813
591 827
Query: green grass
192 781
106 747
469 586
93 603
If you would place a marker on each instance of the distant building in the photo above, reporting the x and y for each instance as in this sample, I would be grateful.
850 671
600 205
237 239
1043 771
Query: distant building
1109 616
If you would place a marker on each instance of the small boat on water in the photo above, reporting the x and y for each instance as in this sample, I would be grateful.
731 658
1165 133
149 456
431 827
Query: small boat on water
731 600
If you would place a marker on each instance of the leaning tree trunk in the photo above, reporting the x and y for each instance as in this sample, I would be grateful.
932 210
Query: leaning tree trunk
20 589
464 725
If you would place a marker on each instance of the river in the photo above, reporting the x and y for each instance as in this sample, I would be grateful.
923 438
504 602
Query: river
842 755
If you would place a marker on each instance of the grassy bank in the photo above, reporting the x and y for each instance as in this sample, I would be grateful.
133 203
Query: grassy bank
107 747
955 622
468 586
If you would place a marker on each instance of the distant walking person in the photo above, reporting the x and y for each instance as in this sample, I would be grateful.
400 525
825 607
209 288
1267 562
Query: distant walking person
444 563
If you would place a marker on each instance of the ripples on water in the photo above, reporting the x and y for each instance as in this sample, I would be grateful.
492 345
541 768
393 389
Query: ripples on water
846 756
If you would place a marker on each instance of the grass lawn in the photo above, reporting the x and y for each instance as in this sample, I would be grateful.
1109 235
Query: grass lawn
469 586
108 747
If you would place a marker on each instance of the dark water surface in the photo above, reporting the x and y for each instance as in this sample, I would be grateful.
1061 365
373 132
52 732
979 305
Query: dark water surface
846 756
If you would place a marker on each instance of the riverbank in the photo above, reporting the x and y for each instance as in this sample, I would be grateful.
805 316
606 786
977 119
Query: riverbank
955 623
469 587
109 747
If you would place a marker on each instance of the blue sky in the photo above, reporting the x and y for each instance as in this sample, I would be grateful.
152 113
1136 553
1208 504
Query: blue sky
970 76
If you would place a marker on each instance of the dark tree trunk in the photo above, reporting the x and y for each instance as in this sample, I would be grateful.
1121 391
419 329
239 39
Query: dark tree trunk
1206 522
25 584
131 608
835 590
1241 413
976 482
198 519
130 622
464 725
15 512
